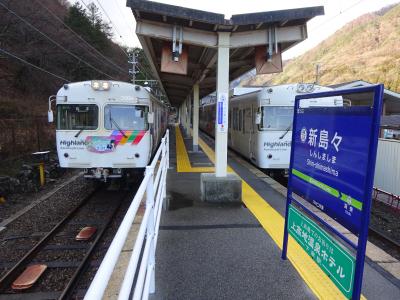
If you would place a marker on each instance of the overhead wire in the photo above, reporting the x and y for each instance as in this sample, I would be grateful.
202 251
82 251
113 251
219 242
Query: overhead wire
139 65
32 65
115 27
53 41
120 69
318 27
122 14
108 17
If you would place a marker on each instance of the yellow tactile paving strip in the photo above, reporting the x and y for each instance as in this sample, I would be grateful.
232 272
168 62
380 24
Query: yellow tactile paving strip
273 223
182 158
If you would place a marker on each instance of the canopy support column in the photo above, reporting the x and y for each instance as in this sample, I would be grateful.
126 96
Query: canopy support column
196 101
221 118
221 187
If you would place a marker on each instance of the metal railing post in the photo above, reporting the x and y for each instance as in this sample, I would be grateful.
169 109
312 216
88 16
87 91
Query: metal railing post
167 146
165 153
150 204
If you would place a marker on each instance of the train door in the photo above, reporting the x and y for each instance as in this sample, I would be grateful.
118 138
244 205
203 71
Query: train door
247 124
253 135
234 133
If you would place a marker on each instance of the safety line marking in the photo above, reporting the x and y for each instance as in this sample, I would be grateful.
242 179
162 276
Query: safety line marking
182 158
273 223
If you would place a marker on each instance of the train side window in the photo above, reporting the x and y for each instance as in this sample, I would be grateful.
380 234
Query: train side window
237 119
244 121
240 120
247 120
229 119
251 119
234 118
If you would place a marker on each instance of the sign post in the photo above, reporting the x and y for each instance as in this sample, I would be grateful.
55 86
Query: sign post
332 167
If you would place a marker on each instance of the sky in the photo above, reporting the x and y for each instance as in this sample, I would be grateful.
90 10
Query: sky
337 14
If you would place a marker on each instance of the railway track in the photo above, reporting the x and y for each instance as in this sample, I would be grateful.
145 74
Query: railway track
65 258
395 245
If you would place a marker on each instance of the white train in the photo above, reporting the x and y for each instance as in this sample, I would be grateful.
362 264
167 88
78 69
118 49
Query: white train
107 128
260 122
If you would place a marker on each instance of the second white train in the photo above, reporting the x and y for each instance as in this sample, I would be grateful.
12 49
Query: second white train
260 122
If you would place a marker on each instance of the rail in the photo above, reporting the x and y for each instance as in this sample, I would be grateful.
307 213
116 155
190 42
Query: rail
142 262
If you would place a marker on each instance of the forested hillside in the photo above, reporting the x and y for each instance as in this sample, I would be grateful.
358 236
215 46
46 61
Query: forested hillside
70 42
367 48
44 44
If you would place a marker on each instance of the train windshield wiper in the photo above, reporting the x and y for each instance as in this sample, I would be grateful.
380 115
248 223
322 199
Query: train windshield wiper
116 125
79 132
285 133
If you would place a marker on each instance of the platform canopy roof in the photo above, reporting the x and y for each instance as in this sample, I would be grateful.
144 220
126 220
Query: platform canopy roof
155 23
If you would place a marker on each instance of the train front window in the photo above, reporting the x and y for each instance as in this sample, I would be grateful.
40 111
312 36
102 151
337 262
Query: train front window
125 117
276 117
77 116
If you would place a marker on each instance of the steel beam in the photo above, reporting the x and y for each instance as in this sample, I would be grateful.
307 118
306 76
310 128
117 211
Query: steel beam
164 32
209 39
290 34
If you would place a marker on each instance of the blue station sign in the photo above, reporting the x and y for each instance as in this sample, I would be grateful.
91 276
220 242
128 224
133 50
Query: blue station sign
331 159
332 166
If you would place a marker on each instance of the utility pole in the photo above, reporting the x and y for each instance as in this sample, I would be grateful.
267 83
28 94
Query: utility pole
317 69
133 60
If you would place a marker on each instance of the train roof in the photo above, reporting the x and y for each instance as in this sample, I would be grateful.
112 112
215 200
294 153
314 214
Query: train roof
77 91
297 88
237 91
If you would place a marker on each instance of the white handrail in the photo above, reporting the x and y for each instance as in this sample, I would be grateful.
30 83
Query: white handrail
155 189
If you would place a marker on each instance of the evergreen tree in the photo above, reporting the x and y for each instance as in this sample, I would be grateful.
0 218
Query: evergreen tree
89 25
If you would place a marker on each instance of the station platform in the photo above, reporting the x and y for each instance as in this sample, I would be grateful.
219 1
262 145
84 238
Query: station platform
209 251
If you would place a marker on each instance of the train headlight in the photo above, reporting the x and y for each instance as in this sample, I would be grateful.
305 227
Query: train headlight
95 85
301 88
100 85
269 156
310 88
105 85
